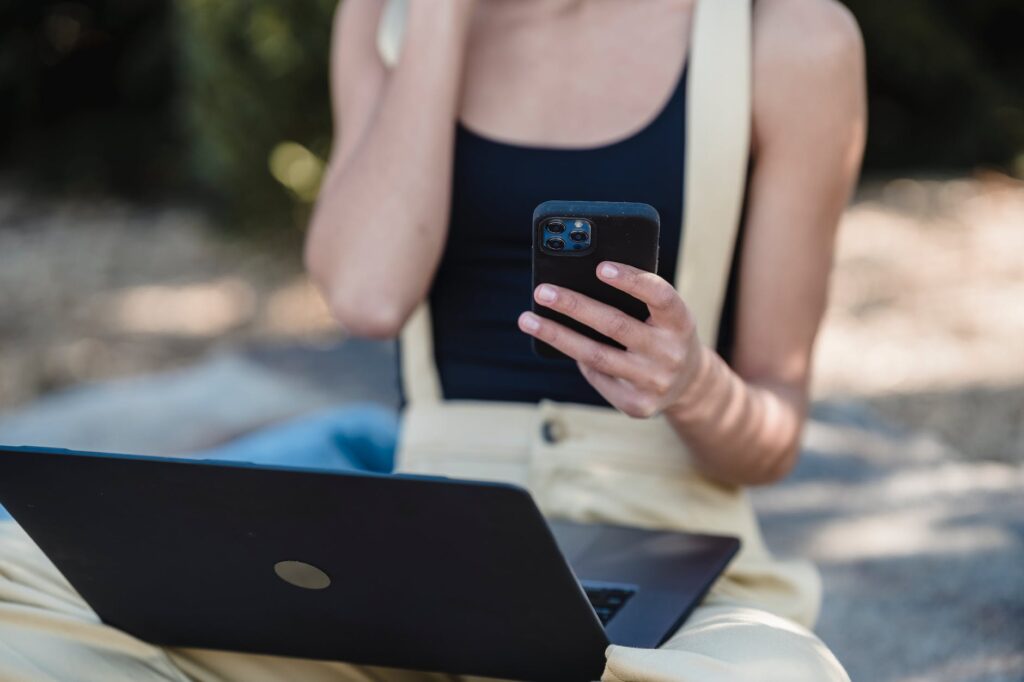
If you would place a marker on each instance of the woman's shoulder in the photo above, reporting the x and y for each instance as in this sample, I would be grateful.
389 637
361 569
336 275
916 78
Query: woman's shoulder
805 32
808 68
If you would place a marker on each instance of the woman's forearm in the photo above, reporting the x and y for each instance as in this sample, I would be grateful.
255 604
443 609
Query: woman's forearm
381 221
739 432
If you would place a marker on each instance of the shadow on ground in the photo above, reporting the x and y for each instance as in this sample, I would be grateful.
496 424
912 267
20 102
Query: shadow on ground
920 552
980 422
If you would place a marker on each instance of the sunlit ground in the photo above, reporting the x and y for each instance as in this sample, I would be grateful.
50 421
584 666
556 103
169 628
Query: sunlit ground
925 323
104 290
929 289
927 312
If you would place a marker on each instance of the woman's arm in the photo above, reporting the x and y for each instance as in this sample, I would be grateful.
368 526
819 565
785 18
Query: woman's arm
381 219
809 129
743 424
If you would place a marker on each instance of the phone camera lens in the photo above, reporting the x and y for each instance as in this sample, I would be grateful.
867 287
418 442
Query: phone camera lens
555 243
578 235
556 227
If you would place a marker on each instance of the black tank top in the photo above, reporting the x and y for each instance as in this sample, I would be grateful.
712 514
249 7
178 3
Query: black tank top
484 279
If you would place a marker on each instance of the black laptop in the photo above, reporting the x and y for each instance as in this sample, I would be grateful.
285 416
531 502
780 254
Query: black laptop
401 571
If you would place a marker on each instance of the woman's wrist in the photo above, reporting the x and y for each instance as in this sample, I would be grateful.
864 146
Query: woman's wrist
694 399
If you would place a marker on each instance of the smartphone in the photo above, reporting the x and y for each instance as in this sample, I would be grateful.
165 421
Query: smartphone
570 238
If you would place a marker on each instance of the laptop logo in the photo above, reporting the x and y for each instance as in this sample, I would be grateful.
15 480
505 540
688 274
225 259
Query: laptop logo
301 574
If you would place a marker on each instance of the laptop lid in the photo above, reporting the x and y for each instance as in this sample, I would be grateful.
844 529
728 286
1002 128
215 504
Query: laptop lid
399 571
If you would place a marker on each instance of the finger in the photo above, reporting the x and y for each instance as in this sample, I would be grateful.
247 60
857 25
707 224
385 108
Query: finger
622 395
602 317
667 308
600 356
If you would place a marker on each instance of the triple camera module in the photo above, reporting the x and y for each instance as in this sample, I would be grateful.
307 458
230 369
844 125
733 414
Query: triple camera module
567 235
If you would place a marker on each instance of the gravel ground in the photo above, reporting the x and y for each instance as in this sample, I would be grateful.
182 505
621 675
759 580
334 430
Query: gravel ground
927 311
103 290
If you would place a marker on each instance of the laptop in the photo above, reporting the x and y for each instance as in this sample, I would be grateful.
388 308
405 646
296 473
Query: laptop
402 571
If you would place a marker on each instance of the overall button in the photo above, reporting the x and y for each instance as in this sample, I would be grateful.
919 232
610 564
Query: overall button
553 430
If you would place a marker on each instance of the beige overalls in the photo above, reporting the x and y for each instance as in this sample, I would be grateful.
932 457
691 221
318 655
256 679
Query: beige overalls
581 463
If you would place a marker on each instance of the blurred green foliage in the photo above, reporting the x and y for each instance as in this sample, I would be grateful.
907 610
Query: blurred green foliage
946 81
231 96
85 94
255 96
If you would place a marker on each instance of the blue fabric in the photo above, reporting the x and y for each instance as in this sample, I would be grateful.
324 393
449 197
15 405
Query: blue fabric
360 437
355 437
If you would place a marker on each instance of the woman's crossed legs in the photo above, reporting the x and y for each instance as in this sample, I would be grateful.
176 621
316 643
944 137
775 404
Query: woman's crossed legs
48 633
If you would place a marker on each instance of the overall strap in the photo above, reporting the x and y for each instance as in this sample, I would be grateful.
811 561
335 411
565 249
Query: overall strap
390 31
718 119
421 383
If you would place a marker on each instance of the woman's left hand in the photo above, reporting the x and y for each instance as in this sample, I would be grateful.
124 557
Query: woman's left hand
662 355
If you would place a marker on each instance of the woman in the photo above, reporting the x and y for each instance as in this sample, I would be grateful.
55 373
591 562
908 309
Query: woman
483 109
456 118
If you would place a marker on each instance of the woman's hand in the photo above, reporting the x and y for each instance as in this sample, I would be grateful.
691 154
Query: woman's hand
662 355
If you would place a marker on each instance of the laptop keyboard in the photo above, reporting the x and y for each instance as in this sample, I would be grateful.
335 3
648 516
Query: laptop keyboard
607 598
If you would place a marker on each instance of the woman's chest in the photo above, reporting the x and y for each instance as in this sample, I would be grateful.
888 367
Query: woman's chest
496 187
571 79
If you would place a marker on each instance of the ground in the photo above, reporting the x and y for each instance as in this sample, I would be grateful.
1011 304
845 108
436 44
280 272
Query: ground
908 495
927 311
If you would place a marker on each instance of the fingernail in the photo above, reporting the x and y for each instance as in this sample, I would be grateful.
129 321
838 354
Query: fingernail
608 270
546 294
529 322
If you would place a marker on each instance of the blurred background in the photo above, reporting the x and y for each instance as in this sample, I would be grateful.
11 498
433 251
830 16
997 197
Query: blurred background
158 160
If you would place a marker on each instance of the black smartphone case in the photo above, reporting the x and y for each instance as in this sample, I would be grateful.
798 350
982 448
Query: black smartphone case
622 232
